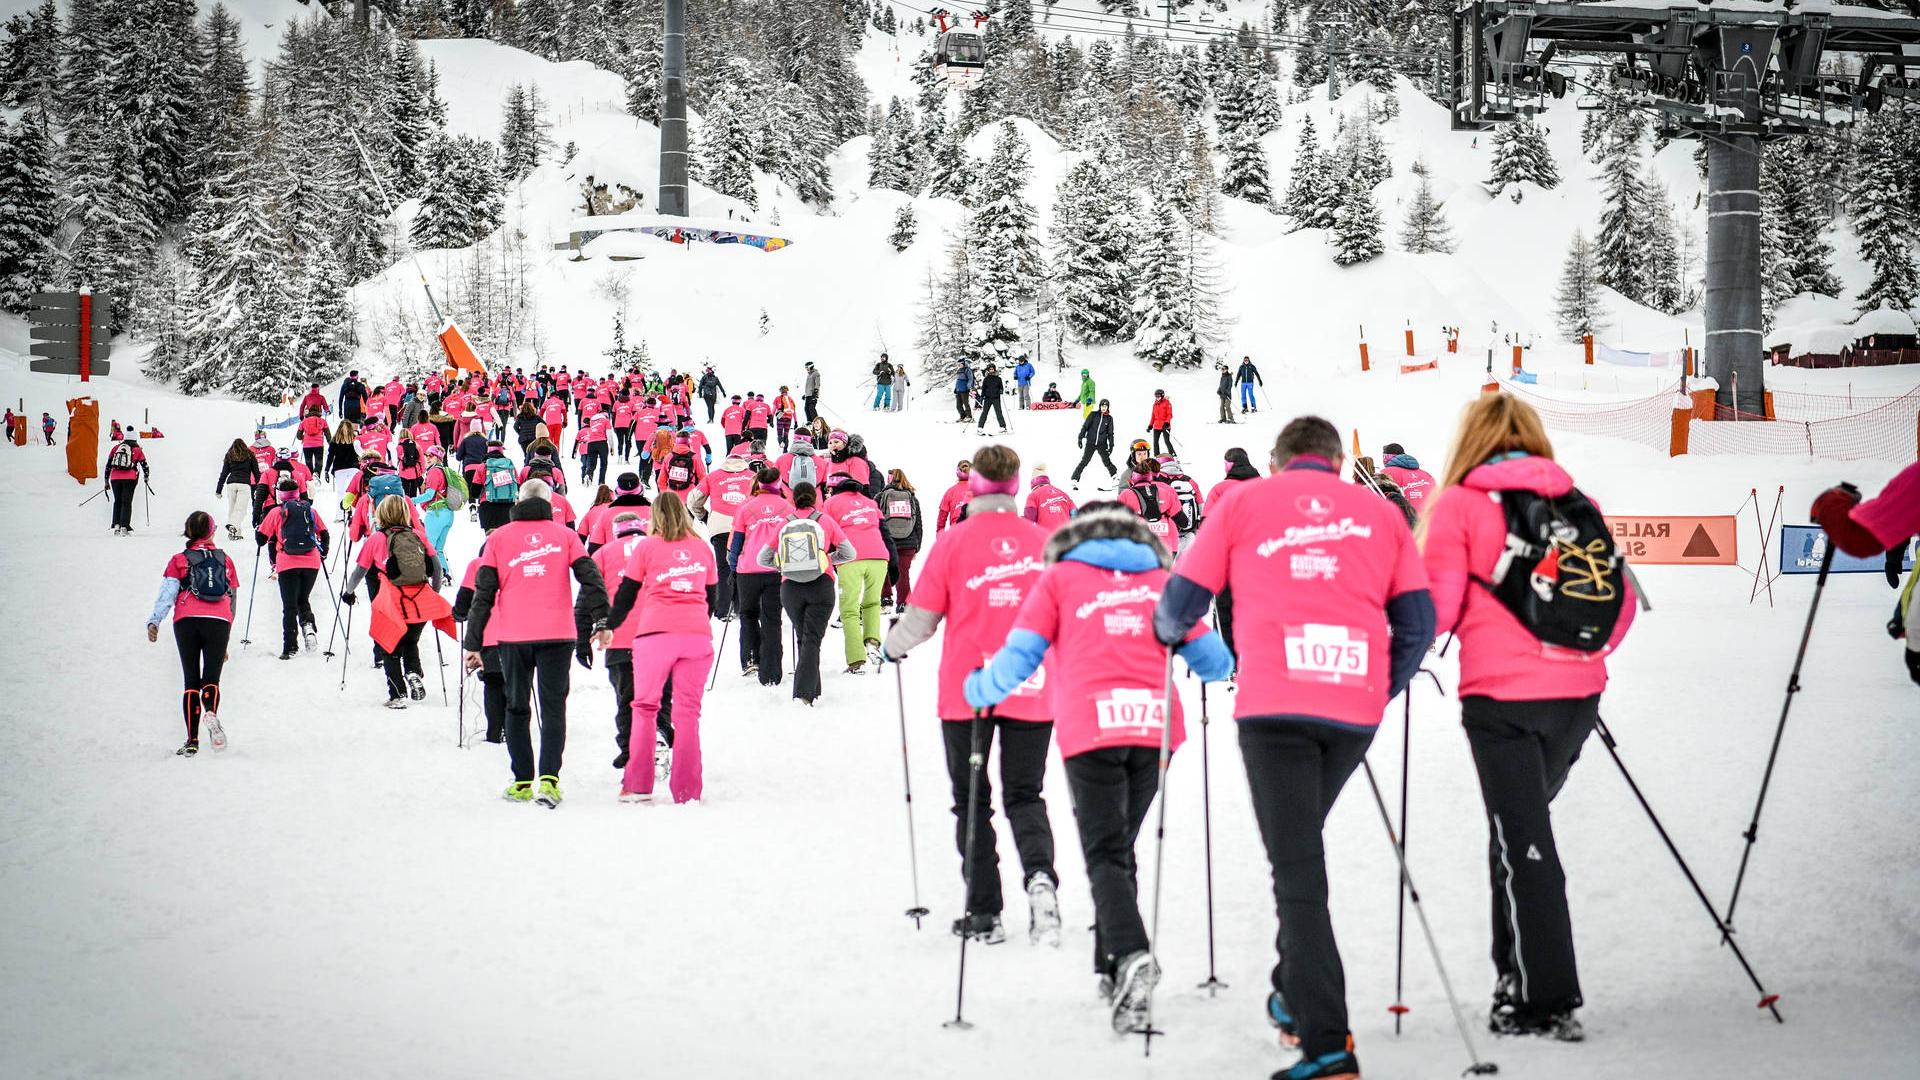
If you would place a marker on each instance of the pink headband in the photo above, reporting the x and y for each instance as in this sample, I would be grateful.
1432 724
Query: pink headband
978 484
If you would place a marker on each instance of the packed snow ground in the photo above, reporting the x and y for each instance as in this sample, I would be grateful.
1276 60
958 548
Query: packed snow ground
342 889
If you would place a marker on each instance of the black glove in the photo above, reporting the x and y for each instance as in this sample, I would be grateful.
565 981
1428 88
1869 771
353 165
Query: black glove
1913 665
324 544
348 598
1896 563
583 652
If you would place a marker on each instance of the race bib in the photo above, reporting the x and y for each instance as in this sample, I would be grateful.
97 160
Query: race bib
1325 653
677 474
1124 708
899 508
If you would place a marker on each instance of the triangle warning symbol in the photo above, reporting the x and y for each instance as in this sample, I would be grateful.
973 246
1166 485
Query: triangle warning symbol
1700 545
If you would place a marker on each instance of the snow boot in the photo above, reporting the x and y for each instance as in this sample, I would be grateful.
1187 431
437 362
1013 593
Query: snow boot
857 667
986 929
1560 1026
308 635
215 733
662 758
288 655
1282 1019
873 654
549 794
416 687
1043 905
396 703
636 796
188 750
1134 979
518 791
1339 1065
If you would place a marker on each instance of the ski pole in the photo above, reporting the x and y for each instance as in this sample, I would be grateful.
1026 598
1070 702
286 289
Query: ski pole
1213 983
460 728
1768 1001
92 497
246 635
976 758
149 505
916 912
1479 1067
328 578
1793 687
1399 1006
1159 848
442 657
718 653
348 632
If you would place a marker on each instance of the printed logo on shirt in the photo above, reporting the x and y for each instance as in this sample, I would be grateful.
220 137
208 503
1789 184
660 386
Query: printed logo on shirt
534 553
1112 598
1306 535
1315 567
675 577
1002 571
1314 507
1004 547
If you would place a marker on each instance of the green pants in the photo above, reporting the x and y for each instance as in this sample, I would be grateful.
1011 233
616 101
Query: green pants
860 583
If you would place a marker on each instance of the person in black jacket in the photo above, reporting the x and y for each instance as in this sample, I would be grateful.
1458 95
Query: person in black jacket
526 425
239 471
1225 392
472 456
343 452
710 390
991 387
1096 436
353 398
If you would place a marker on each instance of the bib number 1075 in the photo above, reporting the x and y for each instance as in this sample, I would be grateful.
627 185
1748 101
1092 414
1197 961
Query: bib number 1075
1130 708
1321 652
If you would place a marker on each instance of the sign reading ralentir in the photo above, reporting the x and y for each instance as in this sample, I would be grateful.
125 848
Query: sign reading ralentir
1677 541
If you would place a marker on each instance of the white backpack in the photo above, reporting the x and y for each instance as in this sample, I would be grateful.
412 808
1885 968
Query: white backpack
800 551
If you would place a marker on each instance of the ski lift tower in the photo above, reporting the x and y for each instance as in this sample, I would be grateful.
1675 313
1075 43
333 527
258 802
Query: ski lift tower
672 199
1734 74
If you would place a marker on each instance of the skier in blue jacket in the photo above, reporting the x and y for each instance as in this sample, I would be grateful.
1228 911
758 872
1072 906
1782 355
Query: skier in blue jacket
1023 375
963 392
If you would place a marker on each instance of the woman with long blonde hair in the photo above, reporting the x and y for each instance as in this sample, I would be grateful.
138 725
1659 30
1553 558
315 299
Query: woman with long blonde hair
1527 707
667 576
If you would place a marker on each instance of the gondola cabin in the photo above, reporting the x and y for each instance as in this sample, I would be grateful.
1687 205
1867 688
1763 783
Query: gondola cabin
960 54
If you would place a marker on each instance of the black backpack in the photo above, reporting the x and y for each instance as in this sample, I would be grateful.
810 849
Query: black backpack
1149 501
296 527
1560 574
409 454
207 575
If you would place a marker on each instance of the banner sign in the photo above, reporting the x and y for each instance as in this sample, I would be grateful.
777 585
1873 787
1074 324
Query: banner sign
1677 540
1040 406
1628 358
1803 546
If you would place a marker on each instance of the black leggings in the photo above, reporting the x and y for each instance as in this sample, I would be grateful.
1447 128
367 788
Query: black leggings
203 651
549 664
123 502
760 624
405 654
316 456
296 604
1163 435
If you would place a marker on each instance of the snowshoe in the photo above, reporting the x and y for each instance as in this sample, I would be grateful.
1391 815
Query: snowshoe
858 667
188 750
549 793
1043 905
308 636
396 703
1282 1019
233 533
1339 1065
518 791
1135 976
636 796
287 655
986 929
1561 1026
215 733
416 688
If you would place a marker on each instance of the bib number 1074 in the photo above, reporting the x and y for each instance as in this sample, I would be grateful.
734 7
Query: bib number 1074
1130 708
1322 652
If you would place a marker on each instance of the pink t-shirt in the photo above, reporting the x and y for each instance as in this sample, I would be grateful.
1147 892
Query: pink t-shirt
554 415
1415 484
602 530
1108 671
534 561
760 519
758 414
859 518
1049 507
956 497
371 440
1894 514
1323 557
187 605
611 560
673 577
270 528
726 493
977 576
598 426
590 519
1220 489
732 419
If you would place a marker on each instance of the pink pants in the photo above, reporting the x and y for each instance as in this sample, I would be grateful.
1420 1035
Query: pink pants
687 658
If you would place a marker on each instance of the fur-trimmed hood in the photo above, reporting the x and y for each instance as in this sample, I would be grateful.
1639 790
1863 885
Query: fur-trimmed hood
1105 524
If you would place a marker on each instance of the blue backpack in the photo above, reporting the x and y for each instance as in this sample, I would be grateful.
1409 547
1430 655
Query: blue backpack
503 485
383 485
207 575
296 527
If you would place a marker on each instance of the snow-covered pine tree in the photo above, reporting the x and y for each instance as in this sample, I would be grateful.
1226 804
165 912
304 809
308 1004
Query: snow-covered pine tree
1666 290
29 207
1170 308
1357 229
1883 221
539 28
1190 83
462 201
109 212
801 144
1576 305
881 171
1245 174
905 225
1093 237
30 60
523 132
1621 248
944 334
950 172
904 143
233 243
1790 194
162 318
1520 153
1005 239
410 114
1201 206
319 339
724 147
1426 230
1303 183
261 344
